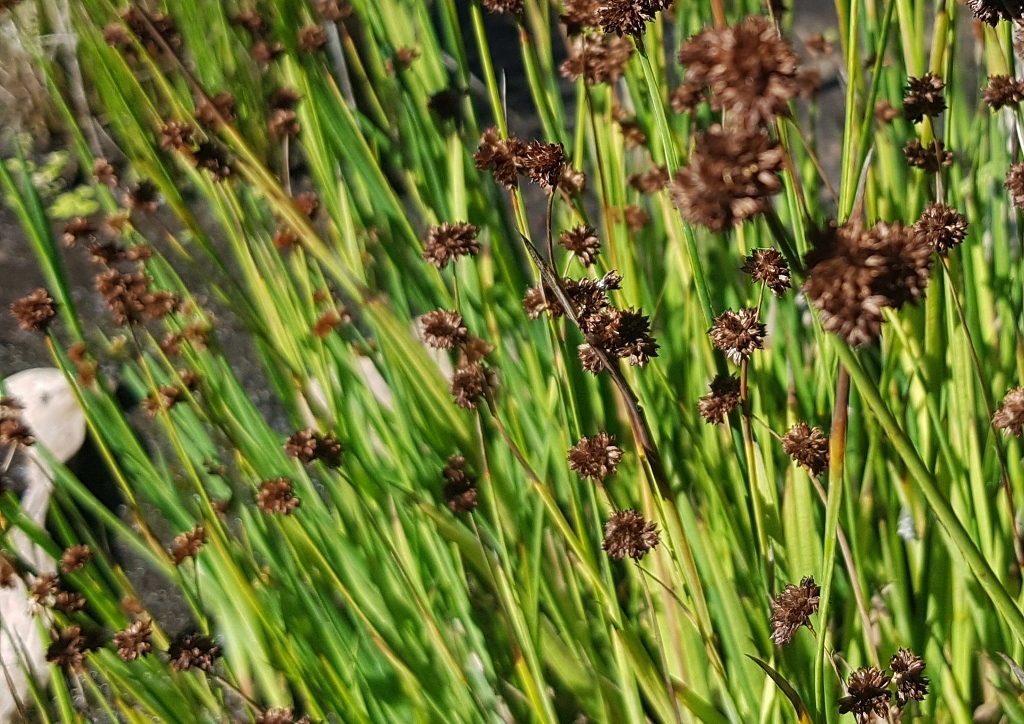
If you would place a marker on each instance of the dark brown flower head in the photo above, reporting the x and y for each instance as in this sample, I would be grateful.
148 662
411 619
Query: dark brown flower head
129 299
176 136
992 11
188 544
402 59
578 15
572 182
629 17
447 242
264 52
213 158
1015 184
729 178
924 97
283 123
543 163
633 135
77 230
68 602
308 203
687 96
460 493
597 57
133 642
213 113
117 36
627 533
328 321
769 266
104 172
69 648
1002 90
885 112
793 608
312 38
443 329
595 457
470 382
750 70
630 338
455 470
723 399
807 446
308 445
908 675
333 10
930 159
34 312
44 588
853 273
1010 416
10 409
867 695
504 157
738 334
942 226
163 399
284 99
193 651
142 197
277 496
534 302
636 218
512 7
107 253
474 349
75 558
653 181
583 242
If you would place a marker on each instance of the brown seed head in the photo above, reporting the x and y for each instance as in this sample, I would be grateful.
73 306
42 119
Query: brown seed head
470 382
188 544
280 716
1002 90
75 558
1010 416
908 675
512 7
44 588
636 218
142 197
534 302
723 399
595 457
578 15
942 226
68 602
264 52
867 695
543 163
133 642
597 57
308 445
447 242
769 266
9 570
504 157
648 183
69 648
213 158
807 446
177 136
213 113
583 242
1015 184
793 608
443 329
992 11
629 17
333 10
627 533
738 334
930 159
312 38
729 178
885 112
924 97
284 99
14 432
283 124
277 496
193 651
104 172
252 22
77 230
34 312
460 489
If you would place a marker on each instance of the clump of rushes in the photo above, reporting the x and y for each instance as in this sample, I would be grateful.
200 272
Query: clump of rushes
924 98
867 695
942 226
277 496
738 334
34 312
1002 90
724 397
807 446
193 651
595 457
460 492
730 177
854 272
447 242
309 446
188 544
770 268
133 642
1010 416
627 533
793 608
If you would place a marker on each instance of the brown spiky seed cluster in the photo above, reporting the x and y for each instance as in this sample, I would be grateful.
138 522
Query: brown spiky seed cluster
460 492
1010 416
193 651
992 11
34 312
133 642
793 608
930 159
729 178
867 695
308 446
312 38
723 399
629 17
1002 90
188 544
738 334
597 57
924 98
69 648
277 496
545 164
447 242
471 381
770 268
853 273
807 446
129 298
443 329
595 457
74 558
627 533
942 226
212 113
583 242
1015 184
908 675
750 70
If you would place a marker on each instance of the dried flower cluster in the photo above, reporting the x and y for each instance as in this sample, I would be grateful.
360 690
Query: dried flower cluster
793 608
74 558
729 178
930 159
442 329
992 11
129 298
1010 416
868 693
471 381
770 268
460 492
70 646
193 651
738 334
277 496
807 446
545 164
724 397
629 17
595 457
1002 90
447 242
853 273
133 642
188 544
1015 184
583 242
627 533
308 446
597 57
942 226
34 312
924 98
